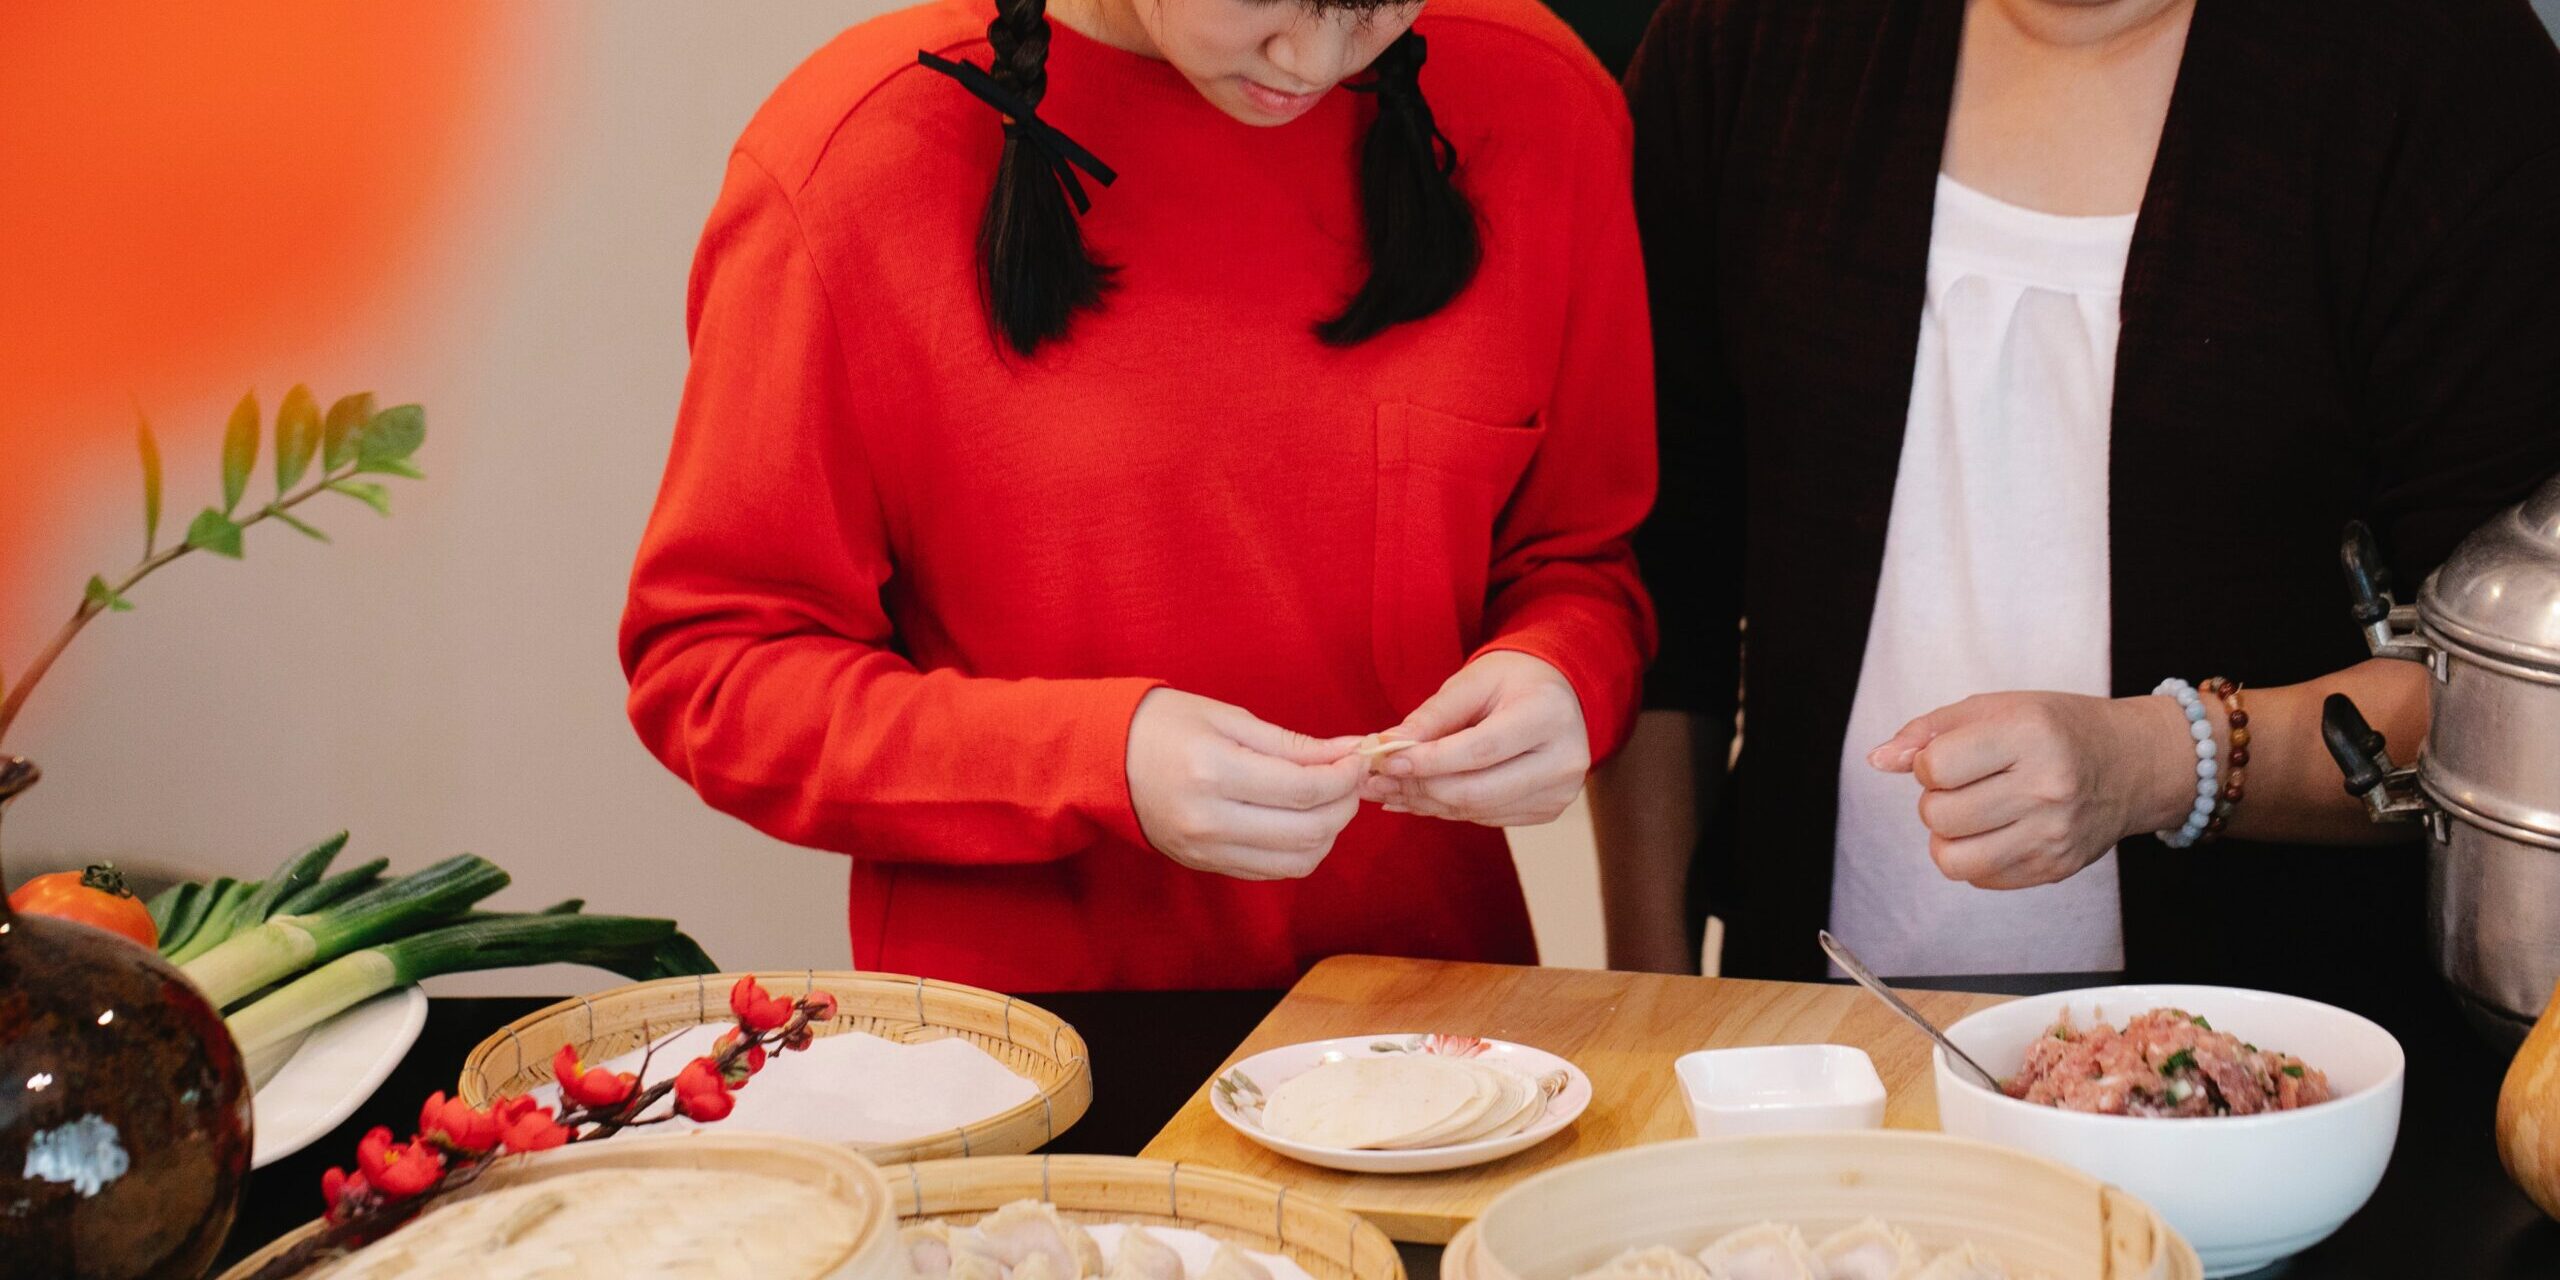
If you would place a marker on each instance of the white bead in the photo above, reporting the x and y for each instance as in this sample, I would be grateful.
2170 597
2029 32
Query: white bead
2195 710
2204 807
2207 748
2206 786
2199 730
2207 766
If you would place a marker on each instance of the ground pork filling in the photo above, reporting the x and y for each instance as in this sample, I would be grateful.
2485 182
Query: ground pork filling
2167 1062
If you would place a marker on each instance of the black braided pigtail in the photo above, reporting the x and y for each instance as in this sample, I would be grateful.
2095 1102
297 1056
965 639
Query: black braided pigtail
1032 262
1421 232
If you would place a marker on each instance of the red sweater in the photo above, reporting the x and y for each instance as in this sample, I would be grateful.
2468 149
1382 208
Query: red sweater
902 592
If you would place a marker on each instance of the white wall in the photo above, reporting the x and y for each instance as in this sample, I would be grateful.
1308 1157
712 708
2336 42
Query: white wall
445 680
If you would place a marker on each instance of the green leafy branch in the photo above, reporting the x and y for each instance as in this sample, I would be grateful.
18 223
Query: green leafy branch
352 439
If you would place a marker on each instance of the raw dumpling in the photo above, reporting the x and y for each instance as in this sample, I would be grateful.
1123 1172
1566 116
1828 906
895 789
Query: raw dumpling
971 1264
928 1246
1229 1263
1868 1251
1770 1251
1966 1263
1038 1266
1661 1262
1143 1257
1026 1229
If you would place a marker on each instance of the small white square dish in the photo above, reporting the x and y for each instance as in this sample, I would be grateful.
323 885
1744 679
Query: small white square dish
1781 1088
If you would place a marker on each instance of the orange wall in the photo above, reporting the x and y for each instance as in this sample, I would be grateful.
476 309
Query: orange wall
192 192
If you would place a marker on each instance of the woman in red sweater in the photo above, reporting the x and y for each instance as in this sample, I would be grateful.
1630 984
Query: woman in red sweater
1078 457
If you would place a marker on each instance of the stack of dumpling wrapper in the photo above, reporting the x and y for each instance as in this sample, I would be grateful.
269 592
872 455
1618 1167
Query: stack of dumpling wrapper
1028 1240
1402 1102
1870 1250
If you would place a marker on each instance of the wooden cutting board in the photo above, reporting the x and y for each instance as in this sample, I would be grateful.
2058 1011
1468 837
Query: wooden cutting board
1623 1029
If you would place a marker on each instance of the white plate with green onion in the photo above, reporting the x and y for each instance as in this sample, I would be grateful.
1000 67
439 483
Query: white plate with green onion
336 1067
317 973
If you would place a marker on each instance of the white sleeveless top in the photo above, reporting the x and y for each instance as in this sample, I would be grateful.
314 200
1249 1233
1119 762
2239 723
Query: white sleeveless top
1995 575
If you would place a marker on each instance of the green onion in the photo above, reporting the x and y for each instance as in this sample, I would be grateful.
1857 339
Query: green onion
679 957
335 887
624 944
2294 1070
2182 1060
219 919
2198 1019
291 876
286 945
166 904
189 915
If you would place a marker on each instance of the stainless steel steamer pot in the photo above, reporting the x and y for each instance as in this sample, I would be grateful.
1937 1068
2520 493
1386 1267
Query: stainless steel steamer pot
2486 784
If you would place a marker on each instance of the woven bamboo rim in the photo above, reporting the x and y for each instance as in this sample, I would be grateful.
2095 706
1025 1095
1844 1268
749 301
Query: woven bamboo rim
827 1167
1247 1212
1030 1041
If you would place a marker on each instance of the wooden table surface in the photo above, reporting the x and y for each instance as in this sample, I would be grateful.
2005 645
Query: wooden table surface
1622 1029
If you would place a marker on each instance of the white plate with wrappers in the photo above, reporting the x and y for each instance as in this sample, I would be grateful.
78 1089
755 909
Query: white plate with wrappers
1400 1103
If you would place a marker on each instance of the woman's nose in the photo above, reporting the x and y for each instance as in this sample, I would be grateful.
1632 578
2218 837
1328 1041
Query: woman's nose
1316 51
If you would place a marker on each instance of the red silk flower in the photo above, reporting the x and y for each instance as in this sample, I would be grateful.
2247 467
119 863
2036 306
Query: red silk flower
528 1127
398 1170
453 1123
748 1063
756 1010
821 1005
342 1191
701 1094
591 1087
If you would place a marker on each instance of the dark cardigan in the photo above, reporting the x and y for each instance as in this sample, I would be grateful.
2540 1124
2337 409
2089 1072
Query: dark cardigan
2343 300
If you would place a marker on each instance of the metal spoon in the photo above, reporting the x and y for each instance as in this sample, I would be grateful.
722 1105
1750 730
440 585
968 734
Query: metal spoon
1848 962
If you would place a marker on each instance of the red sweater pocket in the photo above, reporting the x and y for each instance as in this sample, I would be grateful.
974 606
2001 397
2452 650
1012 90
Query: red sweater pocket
1442 484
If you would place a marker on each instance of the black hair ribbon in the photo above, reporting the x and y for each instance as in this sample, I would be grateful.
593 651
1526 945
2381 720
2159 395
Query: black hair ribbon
1022 122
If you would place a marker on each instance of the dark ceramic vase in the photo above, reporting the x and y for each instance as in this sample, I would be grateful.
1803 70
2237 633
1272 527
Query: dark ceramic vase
124 1108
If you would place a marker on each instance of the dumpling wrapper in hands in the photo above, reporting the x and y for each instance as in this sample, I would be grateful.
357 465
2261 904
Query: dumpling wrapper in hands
1966 1263
1143 1257
1868 1251
1769 1251
1661 1262
1362 1103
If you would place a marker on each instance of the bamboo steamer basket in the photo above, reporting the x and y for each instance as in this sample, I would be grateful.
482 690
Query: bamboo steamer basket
1028 1040
2037 1216
1246 1212
844 1176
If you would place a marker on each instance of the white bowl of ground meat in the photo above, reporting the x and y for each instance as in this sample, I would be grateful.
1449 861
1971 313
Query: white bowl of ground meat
2255 1123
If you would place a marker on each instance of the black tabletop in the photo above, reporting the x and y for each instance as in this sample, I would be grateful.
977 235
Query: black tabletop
2445 1209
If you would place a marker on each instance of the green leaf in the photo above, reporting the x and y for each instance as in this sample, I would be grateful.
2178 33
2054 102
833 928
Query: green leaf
391 467
372 495
239 451
150 482
390 436
297 437
297 525
338 437
105 597
215 531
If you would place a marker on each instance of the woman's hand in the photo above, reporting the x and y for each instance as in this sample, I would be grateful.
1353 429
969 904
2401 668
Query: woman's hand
1502 743
1219 790
2023 789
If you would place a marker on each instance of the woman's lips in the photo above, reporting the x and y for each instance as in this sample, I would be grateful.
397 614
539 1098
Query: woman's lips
1278 105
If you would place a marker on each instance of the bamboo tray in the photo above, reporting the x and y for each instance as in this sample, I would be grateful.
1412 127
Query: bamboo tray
2034 1214
844 1176
1028 1040
1246 1212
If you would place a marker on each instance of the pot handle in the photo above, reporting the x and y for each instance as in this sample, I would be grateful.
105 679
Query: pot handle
2368 578
2354 744
2390 791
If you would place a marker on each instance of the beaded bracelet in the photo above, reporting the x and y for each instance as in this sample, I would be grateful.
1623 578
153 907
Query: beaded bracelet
2236 774
2208 785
